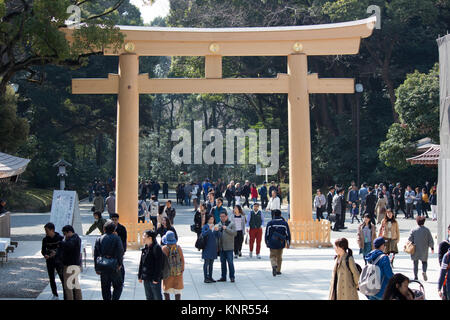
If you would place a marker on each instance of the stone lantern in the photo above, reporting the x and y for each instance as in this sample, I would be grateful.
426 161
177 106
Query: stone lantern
62 164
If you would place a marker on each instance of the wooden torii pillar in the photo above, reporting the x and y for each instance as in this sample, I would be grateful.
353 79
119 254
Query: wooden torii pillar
295 42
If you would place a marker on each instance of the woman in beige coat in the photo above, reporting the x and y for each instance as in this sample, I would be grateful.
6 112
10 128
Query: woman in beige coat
344 281
380 207
390 232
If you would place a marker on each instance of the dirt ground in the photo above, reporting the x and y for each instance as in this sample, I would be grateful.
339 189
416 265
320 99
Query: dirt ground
23 278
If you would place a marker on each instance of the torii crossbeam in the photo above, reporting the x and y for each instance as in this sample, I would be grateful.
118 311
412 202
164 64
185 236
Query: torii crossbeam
295 42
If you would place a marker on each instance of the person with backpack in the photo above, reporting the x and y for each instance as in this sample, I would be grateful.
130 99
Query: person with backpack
422 239
210 235
390 231
151 266
142 209
377 273
263 194
255 222
366 235
443 287
108 260
173 283
153 208
277 237
227 233
345 277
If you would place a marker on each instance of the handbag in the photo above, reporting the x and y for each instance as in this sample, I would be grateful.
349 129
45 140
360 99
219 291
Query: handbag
410 248
246 239
106 264
193 228
332 217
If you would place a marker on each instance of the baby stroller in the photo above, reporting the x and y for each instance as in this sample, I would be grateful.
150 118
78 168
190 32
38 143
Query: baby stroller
419 294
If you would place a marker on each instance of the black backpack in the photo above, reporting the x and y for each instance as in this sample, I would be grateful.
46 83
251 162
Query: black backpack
357 265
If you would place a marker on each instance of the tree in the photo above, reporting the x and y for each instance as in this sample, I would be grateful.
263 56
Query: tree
13 129
417 104
31 34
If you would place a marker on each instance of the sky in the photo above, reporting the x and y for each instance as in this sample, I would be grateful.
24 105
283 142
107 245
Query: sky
149 12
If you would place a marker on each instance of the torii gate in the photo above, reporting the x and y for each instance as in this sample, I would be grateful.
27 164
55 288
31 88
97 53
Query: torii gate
296 42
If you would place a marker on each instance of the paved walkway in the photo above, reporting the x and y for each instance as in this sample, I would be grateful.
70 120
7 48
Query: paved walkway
306 273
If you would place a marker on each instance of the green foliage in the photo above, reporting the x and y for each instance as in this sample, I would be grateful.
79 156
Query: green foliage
13 129
418 103
418 108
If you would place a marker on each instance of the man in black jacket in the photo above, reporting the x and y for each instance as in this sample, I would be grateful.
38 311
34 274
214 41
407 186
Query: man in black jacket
50 246
343 210
371 202
330 202
170 211
70 254
165 190
151 266
109 246
246 193
121 231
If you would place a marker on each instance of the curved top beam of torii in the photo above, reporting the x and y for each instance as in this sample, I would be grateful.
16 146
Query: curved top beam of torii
322 39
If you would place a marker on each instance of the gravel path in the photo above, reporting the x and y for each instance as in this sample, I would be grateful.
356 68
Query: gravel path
23 278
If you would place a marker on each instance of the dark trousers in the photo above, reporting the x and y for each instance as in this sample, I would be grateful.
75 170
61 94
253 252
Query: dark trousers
409 210
165 195
208 268
155 222
152 291
226 257
51 267
342 220
238 242
246 202
264 202
319 211
337 223
416 267
111 278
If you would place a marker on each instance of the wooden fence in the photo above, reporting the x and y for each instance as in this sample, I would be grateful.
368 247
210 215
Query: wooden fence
135 232
310 233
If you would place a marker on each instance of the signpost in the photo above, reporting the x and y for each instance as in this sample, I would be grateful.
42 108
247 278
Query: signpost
65 211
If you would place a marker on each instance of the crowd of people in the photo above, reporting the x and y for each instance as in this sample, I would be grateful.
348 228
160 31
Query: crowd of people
348 277
234 193
221 233
375 201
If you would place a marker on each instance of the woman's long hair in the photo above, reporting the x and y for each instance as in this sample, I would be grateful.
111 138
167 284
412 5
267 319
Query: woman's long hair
343 243
392 291
168 224
386 216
